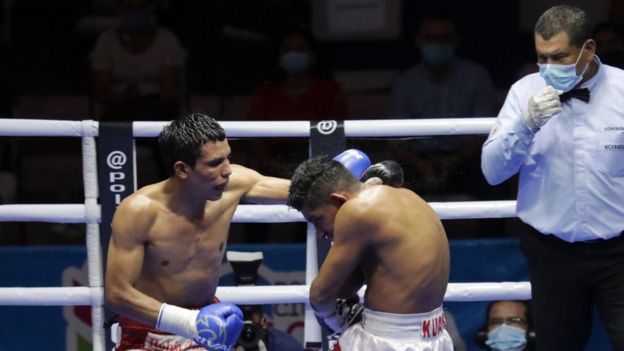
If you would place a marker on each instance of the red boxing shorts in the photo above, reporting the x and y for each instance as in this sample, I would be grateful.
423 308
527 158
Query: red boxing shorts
136 336
397 332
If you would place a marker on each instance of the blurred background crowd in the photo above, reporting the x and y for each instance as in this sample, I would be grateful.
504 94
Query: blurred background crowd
278 60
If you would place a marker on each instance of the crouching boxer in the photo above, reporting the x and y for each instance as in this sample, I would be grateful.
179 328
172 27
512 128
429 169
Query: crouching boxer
385 237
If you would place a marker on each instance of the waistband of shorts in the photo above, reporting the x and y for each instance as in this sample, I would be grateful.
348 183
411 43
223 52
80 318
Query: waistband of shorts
428 325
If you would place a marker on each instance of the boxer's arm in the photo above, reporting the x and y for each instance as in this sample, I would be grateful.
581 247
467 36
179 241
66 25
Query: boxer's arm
352 231
131 222
260 188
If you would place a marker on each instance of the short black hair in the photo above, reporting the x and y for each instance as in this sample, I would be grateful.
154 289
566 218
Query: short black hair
564 19
315 179
182 140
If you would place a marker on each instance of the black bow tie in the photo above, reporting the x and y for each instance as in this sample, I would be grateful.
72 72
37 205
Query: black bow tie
581 94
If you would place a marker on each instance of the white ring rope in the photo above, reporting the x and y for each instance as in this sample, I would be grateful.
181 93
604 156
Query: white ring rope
77 213
271 294
260 129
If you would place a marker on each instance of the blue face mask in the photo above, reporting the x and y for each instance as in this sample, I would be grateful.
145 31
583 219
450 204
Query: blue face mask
506 338
562 77
295 62
435 54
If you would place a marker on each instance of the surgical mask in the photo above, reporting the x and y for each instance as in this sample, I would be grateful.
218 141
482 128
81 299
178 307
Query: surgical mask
295 62
562 77
436 54
506 338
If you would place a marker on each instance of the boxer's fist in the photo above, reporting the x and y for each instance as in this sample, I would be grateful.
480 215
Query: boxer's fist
218 326
355 161
215 327
350 310
390 173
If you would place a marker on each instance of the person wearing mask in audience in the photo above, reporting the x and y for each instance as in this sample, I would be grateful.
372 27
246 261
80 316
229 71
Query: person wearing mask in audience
304 89
507 327
444 85
562 130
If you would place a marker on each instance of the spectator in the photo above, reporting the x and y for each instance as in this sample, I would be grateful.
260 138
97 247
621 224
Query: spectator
562 130
508 327
444 85
137 67
610 43
304 89
441 85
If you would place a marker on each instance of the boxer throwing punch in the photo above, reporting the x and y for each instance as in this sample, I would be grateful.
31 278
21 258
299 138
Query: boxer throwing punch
385 237
168 242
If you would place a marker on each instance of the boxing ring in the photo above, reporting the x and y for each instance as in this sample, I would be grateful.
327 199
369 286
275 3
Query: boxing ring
89 213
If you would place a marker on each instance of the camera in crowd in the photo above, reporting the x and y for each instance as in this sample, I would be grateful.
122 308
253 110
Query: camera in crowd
254 336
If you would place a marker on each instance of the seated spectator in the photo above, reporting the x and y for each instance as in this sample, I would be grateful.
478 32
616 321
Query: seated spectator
137 67
610 43
508 327
443 85
303 90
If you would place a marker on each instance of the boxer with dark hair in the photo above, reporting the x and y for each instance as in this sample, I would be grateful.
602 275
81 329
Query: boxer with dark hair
385 237
168 241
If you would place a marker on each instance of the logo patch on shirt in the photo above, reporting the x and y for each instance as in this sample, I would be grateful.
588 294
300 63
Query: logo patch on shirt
614 129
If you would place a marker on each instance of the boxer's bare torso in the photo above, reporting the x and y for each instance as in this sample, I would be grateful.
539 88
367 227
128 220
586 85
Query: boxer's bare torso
169 238
392 240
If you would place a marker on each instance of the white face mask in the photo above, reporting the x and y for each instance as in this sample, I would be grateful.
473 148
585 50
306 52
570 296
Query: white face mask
562 77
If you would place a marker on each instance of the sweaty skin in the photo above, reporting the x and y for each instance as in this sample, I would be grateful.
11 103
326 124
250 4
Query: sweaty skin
169 238
388 238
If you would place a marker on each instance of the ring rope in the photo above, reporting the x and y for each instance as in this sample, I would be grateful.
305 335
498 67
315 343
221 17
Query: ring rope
245 295
78 213
262 129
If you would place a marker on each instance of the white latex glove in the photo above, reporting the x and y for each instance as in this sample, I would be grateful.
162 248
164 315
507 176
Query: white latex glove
541 107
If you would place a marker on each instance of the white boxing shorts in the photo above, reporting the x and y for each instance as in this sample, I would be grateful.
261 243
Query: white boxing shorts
381 331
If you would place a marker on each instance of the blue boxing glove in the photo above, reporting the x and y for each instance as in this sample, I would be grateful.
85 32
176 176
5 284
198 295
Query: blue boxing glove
389 172
218 326
355 161
215 327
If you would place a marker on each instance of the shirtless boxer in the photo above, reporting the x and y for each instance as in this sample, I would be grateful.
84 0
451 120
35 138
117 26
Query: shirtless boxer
169 238
385 237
